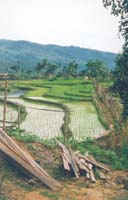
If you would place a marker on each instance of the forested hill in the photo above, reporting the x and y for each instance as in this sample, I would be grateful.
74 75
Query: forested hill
29 54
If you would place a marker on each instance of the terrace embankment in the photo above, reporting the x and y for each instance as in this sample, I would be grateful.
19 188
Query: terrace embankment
74 98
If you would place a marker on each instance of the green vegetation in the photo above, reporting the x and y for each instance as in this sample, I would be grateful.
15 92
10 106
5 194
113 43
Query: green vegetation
69 95
30 54
120 9
3 197
63 89
77 89
54 196
96 69
122 197
26 186
117 160
23 136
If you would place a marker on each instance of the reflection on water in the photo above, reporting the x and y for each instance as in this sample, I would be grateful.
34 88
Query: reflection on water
15 94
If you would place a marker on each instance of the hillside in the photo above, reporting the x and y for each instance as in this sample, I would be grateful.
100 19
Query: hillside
29 54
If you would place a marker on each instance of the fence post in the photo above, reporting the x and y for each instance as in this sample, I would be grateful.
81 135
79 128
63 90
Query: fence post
5 104
19 116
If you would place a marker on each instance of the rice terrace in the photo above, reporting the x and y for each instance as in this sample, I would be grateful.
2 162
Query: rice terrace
46 105
75 111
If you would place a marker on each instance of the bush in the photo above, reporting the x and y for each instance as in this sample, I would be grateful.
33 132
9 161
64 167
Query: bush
23 137
2 197
109 157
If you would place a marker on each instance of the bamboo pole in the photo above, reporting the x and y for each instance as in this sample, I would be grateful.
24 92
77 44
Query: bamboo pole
5 104
19 116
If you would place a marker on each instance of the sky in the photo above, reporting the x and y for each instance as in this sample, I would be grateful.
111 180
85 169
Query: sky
84 23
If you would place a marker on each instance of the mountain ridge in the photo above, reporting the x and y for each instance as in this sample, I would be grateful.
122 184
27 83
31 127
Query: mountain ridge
30 53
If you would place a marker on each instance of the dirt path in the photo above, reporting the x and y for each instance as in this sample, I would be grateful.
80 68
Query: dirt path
70 190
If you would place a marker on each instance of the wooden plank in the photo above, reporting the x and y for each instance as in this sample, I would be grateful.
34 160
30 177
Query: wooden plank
73 164
84 162
28 158
101 174
65 163
87 175
92 176
91 173
28 167
94 163
81 165
10 148
70 157
97 164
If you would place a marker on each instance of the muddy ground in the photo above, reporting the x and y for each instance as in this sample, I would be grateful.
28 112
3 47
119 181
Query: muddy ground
15 185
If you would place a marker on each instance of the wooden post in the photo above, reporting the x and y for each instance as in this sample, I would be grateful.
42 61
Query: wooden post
4 77
18 116
5 104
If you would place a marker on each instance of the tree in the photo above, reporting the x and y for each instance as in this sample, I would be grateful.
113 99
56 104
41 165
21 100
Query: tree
51 68
120 8
46 69
96 69
41 68
71 69
17 70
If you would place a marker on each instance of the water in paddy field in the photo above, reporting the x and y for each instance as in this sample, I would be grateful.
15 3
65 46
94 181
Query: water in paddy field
12 94
43 123
47 124
84 121
11 115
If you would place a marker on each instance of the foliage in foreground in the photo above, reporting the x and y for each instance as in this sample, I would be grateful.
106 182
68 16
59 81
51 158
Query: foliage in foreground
117 159
2 197
120 9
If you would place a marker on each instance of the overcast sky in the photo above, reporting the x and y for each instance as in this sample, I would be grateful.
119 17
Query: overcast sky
84 23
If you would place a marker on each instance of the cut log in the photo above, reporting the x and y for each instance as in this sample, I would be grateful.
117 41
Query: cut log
70 156
91 158
92 176
81 165
11 149
88 176
65 163
95 163
101 174
73 164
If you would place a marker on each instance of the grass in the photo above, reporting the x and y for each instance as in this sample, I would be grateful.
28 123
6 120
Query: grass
116 159
54 196
106 83
26 186
3 197
122 197
23 136
60 88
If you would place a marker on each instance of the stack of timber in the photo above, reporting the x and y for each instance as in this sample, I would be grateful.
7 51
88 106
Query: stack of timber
10 148
79 164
